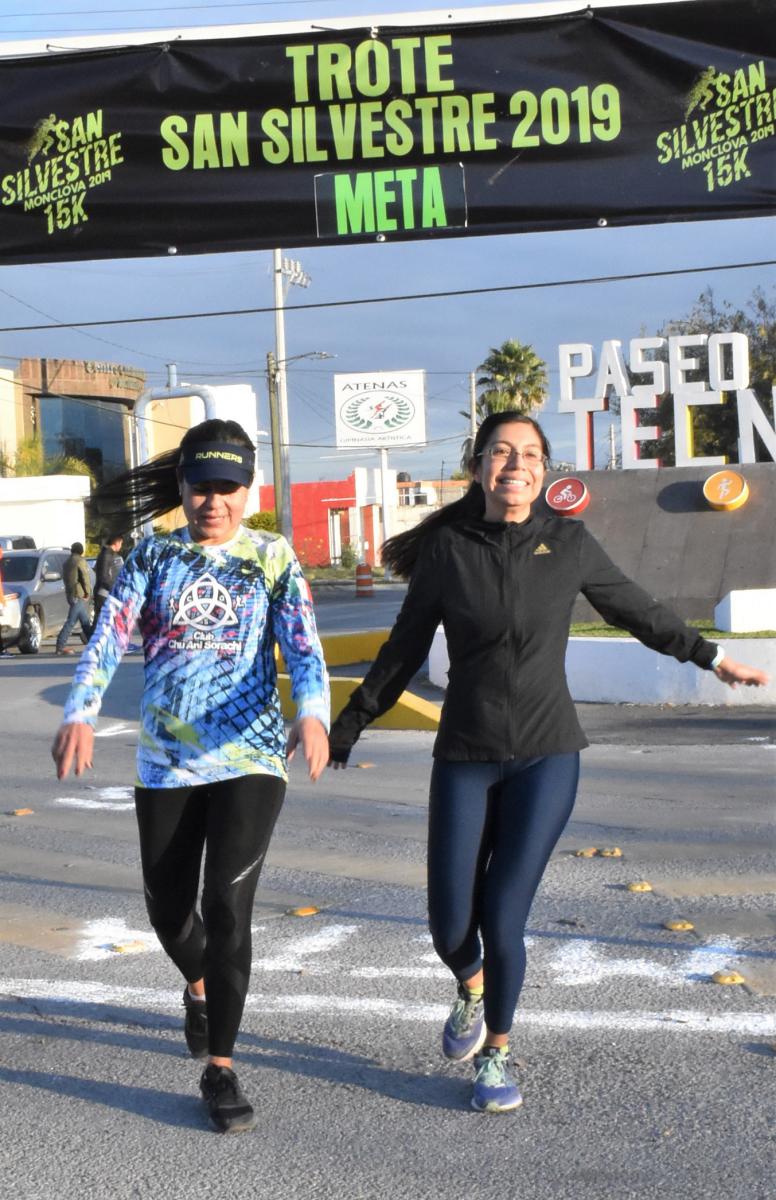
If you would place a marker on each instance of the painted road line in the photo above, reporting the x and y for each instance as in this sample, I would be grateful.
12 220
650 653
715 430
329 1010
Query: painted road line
113 799
100 940
59 992
293 957
89 805
578 962
112 793
583 963
115 730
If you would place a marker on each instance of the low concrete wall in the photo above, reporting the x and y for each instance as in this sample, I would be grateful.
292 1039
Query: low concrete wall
49 508
621 671
660 531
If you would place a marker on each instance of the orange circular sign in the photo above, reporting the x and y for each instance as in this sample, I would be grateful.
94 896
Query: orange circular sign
726 490
567 496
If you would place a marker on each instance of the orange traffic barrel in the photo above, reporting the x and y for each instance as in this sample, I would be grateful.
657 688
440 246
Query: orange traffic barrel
364 585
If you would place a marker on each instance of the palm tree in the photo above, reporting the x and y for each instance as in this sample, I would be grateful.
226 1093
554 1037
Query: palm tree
513 376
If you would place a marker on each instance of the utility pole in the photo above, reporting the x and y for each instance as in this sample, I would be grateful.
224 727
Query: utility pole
274 426
612 448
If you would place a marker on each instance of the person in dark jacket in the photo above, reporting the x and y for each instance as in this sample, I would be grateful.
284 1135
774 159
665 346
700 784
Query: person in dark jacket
502 579
78 589
106 569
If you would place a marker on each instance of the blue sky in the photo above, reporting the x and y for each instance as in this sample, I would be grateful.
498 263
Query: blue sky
446 337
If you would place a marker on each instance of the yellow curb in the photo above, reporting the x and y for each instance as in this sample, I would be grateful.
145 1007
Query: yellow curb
342 649
409 711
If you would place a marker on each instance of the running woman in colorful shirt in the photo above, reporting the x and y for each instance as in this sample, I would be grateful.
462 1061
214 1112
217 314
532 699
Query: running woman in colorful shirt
211 601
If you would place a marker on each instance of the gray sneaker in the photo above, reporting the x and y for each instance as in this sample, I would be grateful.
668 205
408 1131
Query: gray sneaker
464 1030
495 1090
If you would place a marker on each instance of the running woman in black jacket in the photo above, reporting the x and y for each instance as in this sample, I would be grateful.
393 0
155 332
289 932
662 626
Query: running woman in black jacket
502 581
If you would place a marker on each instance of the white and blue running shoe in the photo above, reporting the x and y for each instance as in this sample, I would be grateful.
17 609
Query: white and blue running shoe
495 1090
464 1030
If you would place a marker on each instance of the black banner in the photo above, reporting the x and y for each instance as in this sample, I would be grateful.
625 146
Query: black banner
626 115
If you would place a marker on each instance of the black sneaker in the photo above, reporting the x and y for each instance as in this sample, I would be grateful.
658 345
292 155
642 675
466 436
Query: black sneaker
195 1027
228 1108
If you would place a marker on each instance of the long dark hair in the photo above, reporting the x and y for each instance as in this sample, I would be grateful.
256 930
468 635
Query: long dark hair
152 489
400 553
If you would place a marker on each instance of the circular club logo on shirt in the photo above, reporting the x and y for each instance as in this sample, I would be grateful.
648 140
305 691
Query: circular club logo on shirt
567 496
205 605
726 490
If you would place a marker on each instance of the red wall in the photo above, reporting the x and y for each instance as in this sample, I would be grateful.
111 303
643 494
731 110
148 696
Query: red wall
310 504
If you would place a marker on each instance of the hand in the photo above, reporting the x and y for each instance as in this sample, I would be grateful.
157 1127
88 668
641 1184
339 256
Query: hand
733 673
73 742
338 759
309 732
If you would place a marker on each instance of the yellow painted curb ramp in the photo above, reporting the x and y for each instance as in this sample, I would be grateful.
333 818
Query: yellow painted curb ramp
409 711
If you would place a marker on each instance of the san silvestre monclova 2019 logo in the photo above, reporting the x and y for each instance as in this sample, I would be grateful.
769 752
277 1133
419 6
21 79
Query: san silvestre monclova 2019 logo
726 114
66 159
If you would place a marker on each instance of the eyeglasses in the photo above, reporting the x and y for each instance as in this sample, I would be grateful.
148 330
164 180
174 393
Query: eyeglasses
502 452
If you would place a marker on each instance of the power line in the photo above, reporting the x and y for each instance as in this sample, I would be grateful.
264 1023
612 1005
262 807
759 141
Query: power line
443 295
159 8
94 336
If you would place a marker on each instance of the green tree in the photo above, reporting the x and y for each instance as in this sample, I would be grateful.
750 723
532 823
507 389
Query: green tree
262 520
512 376
716 426
30 459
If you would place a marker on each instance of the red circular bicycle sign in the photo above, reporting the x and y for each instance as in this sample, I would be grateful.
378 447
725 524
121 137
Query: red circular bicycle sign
567 496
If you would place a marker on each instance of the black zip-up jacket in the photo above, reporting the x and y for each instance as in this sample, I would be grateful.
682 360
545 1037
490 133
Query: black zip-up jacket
106 570
504 594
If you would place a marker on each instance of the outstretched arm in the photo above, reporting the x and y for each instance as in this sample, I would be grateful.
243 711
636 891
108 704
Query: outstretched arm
732 673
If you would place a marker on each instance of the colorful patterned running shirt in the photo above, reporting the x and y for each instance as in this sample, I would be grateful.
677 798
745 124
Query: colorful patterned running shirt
209 617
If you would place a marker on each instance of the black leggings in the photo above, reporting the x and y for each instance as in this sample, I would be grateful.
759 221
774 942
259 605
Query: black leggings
233 821
492 829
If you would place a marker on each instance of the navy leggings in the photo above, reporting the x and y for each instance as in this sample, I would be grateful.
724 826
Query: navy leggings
492 829
232 821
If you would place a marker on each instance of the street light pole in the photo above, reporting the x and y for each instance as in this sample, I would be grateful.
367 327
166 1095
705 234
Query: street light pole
274 426
280 441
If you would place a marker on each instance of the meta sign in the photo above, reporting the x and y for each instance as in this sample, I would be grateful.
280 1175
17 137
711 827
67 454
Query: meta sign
696 369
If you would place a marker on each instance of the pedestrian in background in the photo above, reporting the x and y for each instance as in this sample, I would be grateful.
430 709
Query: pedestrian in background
109 563
78 589
211 599
502 579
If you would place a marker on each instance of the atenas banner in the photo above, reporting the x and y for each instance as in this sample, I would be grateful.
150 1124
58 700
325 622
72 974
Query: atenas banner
617 115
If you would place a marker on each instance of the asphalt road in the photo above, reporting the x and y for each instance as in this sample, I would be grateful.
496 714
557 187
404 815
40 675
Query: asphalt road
641 1077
